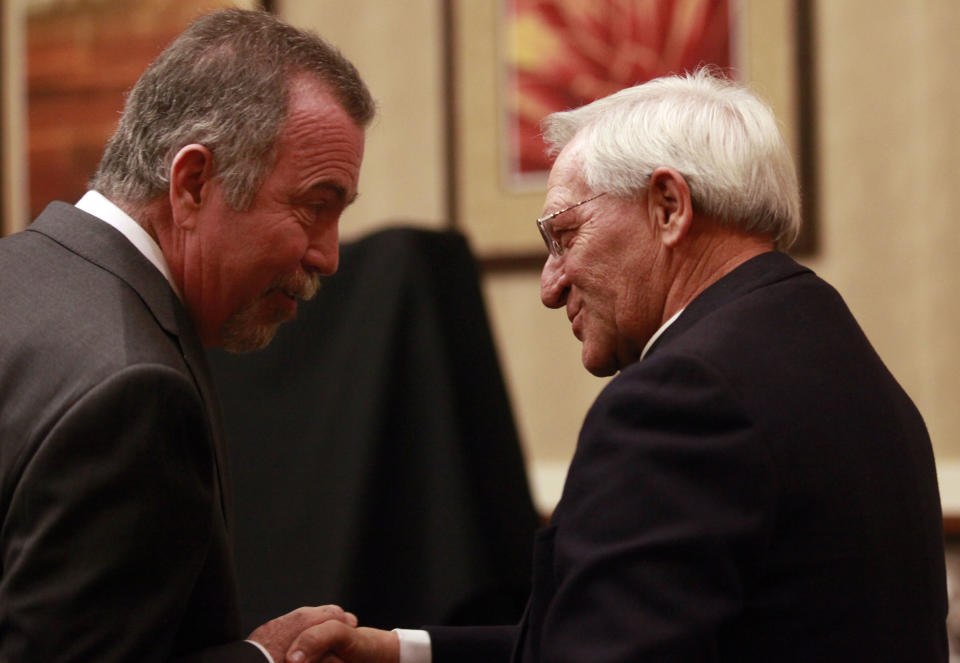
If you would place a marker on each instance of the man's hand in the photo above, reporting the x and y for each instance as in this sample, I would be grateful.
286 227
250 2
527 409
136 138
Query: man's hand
277 635
337 642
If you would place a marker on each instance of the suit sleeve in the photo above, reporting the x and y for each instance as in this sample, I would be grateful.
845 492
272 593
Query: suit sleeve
665 513
472 644
109 526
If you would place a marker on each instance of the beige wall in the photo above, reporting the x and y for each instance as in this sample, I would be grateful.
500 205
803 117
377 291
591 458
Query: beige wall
890 157
398 48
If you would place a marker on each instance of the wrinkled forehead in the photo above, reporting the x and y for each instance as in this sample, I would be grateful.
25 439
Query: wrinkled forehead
566 175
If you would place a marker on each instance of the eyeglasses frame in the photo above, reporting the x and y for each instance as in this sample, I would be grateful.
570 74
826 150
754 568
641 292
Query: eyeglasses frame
546 229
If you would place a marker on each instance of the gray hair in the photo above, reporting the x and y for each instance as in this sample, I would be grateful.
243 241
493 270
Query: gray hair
223 83
723 140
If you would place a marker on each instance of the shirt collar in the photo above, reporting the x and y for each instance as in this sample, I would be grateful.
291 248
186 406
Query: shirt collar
99 206
659 333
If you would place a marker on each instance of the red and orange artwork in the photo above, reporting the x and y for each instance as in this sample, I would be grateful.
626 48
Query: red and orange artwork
561 54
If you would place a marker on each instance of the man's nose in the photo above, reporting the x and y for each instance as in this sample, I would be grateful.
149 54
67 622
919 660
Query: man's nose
553 283
323 251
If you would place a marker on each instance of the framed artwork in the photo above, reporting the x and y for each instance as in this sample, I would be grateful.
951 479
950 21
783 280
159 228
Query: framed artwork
559 55
514 61
81 56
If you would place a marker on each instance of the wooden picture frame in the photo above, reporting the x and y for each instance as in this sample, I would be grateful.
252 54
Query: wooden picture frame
4 58
772 54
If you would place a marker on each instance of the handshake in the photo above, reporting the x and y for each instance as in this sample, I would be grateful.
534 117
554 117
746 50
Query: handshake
325 634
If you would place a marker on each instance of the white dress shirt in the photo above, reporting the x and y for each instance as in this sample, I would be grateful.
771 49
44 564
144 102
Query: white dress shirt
97 204
657 334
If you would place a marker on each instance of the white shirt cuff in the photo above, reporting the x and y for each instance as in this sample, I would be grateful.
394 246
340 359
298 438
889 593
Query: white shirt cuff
261 648
414 646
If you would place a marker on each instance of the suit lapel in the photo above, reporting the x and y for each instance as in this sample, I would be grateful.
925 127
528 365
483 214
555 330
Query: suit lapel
759 271
104 246
197 362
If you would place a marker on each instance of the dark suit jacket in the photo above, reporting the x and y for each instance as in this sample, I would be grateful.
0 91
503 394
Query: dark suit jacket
114 491
758 488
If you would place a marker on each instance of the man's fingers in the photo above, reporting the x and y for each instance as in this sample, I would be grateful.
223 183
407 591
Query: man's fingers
277 634
320 642
309 615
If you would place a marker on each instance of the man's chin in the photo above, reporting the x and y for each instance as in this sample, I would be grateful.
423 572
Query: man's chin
249 340
600 366
253 327
244 332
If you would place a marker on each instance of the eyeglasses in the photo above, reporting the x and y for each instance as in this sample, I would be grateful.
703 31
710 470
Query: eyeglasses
546 228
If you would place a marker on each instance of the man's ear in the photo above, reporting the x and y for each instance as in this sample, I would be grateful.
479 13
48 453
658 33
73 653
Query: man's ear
190 174
669 205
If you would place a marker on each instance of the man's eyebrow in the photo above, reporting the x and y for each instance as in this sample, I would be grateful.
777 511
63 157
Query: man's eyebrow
337 189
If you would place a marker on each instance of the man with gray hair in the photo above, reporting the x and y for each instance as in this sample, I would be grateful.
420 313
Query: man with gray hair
754 485
215 208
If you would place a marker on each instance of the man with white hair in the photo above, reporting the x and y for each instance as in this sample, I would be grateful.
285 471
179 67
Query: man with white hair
754 485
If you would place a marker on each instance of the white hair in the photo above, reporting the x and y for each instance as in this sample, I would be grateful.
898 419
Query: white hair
716 133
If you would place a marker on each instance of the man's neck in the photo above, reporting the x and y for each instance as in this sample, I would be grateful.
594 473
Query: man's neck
156 219
145 214
127 220
707 256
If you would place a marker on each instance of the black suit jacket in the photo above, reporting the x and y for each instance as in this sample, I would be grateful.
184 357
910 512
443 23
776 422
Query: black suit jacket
758 488
114 492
